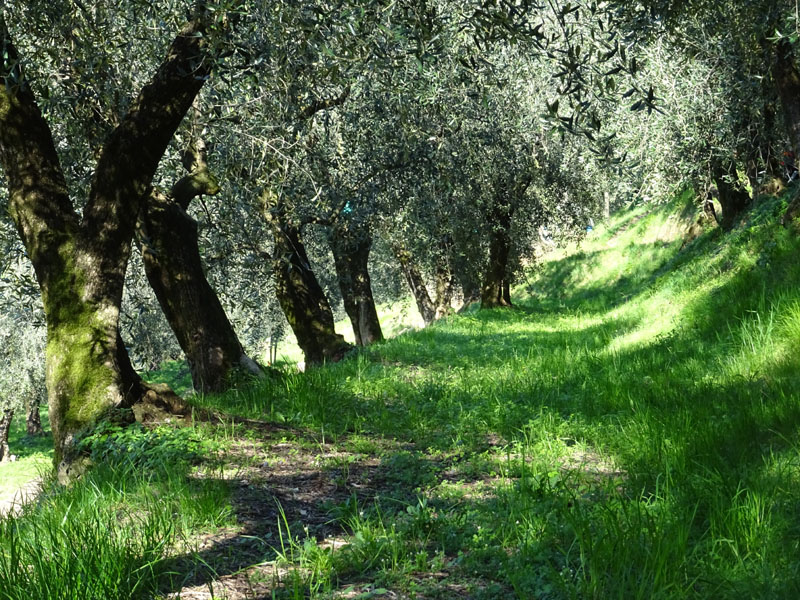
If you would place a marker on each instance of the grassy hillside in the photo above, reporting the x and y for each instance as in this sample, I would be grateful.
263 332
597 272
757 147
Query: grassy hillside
630 430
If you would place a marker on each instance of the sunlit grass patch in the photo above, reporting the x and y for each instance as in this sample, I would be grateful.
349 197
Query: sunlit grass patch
34 457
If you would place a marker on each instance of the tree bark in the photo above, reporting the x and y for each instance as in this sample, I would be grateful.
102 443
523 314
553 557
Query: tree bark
6 416
444 282
733 200
469 280
416 283
495 291
299 293
792 213
351 250
33 421
787 82
80 262
167 235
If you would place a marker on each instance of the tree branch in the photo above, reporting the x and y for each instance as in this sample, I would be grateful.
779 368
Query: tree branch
199 181
132 152
324 104
38 200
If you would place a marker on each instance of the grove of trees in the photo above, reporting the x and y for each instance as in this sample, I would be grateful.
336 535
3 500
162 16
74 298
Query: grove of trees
193 181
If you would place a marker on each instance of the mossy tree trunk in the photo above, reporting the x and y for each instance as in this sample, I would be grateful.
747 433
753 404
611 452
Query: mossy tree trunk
351 248
444 281
734 201
80 261
495 290
167 235
6 416
299 293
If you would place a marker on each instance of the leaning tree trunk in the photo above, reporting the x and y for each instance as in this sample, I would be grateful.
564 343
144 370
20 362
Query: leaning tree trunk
6 416
80 261
351 257
495 290
299 293
167 235
416 283
733 200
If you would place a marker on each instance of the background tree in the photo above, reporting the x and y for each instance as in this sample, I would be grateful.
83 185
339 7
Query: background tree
22 377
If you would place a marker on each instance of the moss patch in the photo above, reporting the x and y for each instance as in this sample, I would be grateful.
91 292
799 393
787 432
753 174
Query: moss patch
81 378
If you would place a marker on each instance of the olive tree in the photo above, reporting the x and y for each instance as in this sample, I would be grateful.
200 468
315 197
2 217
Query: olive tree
80 258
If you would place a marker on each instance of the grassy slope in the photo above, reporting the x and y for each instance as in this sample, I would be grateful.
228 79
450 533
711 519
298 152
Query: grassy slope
631 431
673 374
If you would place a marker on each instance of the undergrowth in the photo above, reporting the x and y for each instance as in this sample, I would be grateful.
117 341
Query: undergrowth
111 534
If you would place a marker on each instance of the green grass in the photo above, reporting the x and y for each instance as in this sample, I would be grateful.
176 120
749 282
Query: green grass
646 401
34 456
111 534
175 373
630 430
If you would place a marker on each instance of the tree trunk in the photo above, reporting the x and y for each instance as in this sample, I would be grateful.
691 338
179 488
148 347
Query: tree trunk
733 200
787 82
6 416
444 284
469 280
495 291
351 257
33 420
416 283
792 213
168 238
299 293
80 261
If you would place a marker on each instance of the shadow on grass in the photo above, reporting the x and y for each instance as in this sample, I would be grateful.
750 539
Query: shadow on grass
485 340
279 508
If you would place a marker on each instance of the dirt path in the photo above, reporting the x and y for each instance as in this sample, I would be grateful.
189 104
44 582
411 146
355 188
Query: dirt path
275 480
